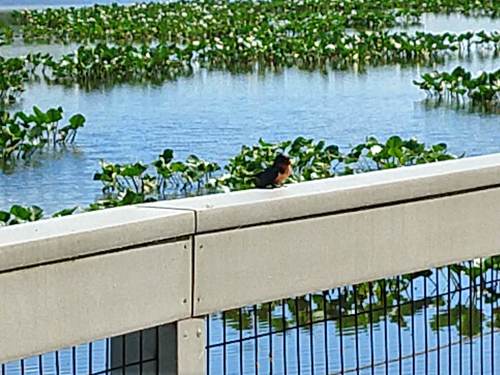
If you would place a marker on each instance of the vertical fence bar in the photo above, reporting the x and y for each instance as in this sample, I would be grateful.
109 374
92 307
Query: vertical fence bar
356 338
460 331
297 327
370 314
449 324
341 338
492 323
426 342
399 322
57 363
106 363
124 353
256 345
73 359
413 348
224 347
311 336
90 358
240 316
283 318
141 355
270 318
481 315
386 335
471 318
208 347
438 341
325 328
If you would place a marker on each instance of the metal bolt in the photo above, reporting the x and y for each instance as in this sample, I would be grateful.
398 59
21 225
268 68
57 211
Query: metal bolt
198 332
185 300
201 247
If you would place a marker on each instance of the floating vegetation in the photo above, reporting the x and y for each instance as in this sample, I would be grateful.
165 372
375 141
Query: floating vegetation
22 135
15 72
460 86
184 22
6 34
12 78
103 63
125 184
132 183
23 214
90 66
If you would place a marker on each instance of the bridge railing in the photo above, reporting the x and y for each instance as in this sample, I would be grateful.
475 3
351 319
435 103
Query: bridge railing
97 275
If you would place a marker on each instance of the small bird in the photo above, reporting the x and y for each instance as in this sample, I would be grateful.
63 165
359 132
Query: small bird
276 174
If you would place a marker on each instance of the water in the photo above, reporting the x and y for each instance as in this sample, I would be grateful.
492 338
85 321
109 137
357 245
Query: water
213 113
33 4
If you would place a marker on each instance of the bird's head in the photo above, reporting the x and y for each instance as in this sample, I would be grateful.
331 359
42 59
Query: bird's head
282 161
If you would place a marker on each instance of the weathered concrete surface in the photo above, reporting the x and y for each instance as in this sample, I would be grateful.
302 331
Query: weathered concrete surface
92 232
58 305
191 341
264 263
222 211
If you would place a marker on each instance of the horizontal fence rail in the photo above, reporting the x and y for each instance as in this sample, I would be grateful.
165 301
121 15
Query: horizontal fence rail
88 277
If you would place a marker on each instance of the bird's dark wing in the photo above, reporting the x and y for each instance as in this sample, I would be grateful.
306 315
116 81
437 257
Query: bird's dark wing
267 177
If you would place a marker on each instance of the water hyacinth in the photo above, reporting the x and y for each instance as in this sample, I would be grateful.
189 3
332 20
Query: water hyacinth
22 135
165 178
103 63
182 22
460 85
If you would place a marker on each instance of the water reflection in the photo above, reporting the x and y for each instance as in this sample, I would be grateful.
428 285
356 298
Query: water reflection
425 323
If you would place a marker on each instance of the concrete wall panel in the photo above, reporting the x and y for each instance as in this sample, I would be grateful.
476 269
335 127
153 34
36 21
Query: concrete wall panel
54 306
264 263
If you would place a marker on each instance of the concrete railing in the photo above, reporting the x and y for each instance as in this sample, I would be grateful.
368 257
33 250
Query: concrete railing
71 280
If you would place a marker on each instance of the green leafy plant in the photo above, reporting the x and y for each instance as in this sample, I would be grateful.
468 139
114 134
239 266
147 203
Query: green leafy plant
460 85
21 134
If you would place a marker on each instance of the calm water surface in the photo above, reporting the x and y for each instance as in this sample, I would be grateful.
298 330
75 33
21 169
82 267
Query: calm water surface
213 114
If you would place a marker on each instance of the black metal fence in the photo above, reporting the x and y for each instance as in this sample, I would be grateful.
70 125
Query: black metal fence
440 321
134 353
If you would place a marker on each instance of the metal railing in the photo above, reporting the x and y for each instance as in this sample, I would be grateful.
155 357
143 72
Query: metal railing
104 274
444 320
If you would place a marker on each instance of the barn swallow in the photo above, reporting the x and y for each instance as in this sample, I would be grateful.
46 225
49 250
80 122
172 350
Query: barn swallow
276 174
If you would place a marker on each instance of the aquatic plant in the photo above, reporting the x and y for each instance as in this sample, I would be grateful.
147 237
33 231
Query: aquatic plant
125 184
21 134
6 34
15 72
178 22
460 85
103 63
132 183
22 214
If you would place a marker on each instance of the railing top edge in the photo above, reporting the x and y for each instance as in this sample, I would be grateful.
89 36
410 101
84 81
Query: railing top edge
260 206
88 233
